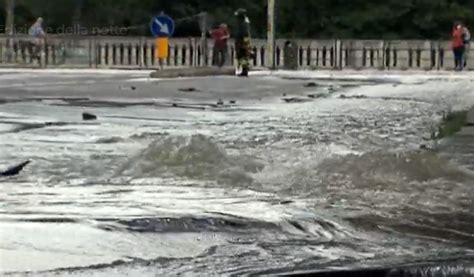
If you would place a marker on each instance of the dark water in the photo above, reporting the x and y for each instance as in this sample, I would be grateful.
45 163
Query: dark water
331 184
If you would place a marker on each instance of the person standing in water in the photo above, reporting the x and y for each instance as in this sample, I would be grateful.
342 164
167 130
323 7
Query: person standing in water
458 46
242 42
220 36
467 44
39 35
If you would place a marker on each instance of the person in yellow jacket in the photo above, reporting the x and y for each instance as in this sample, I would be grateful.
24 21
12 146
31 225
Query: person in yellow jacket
243 46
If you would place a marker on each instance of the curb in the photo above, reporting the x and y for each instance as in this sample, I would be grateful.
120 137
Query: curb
193 72
470 117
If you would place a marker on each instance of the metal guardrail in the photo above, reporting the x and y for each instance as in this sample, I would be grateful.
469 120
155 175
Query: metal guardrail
138 53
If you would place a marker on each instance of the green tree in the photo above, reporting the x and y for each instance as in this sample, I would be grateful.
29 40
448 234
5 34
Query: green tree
371 19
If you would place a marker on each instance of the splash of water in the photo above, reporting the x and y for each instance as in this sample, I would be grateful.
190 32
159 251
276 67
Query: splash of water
392 168
196 157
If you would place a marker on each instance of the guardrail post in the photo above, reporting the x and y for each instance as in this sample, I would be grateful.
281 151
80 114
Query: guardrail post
90 51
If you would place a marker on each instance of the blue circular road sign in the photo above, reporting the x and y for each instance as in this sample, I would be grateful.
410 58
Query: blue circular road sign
162 26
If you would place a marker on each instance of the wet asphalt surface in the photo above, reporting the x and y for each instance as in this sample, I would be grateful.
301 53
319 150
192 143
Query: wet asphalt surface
228 176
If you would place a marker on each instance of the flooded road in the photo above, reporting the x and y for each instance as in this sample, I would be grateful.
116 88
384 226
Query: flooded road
220 176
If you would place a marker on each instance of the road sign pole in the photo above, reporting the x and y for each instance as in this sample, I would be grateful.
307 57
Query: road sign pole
203 25
162 27
204 40
271 34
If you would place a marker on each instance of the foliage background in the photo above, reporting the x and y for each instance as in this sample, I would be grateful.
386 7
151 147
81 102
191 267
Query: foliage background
381 19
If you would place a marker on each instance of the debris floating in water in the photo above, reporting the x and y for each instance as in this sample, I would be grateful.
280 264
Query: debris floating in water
188 90
343 96
319 95
14 170
311 85
296 100
88 116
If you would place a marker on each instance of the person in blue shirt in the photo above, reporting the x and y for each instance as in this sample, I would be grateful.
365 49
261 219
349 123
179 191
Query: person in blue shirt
467 46
38 34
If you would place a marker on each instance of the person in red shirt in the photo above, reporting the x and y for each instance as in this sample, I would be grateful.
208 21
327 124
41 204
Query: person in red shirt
220 36
458 46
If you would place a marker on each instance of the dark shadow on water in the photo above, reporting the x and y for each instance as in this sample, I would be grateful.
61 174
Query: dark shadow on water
452 227
184 225
422 271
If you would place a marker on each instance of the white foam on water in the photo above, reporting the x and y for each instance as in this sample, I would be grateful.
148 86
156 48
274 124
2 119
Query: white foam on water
322 123
65 245
394 75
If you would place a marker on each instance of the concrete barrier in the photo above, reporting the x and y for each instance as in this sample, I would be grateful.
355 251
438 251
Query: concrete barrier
193 72
137 53
470 117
